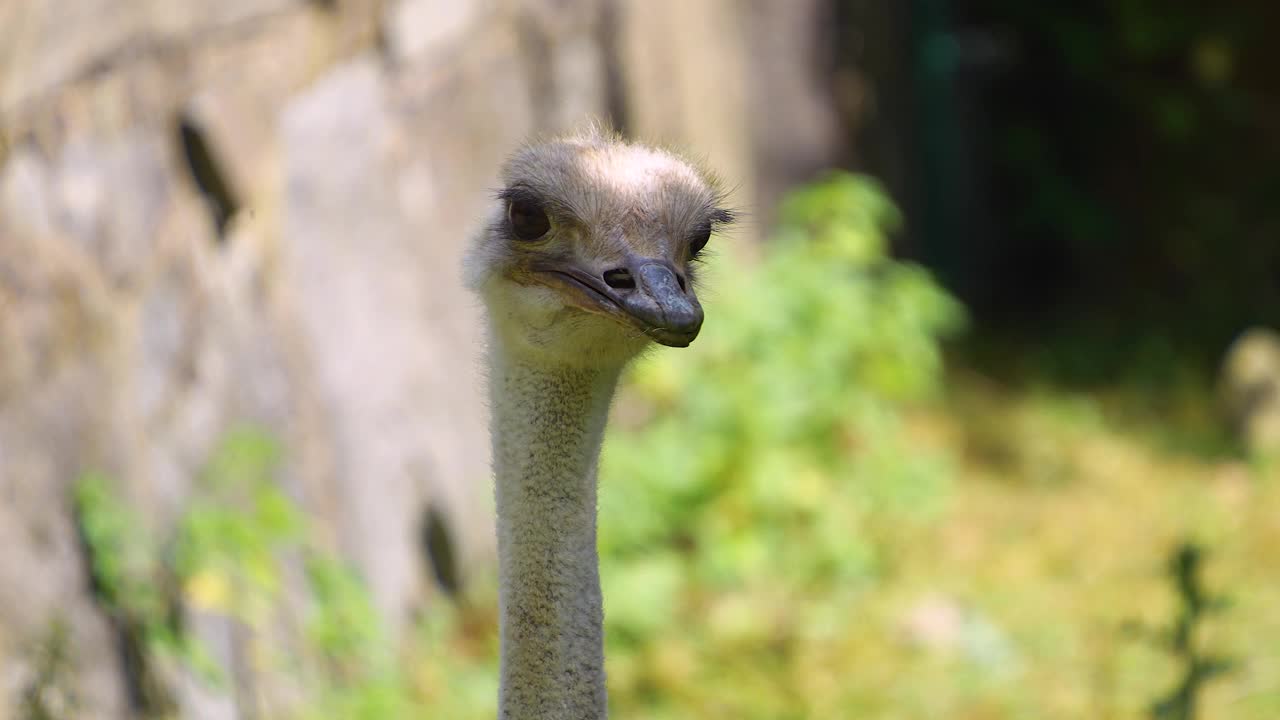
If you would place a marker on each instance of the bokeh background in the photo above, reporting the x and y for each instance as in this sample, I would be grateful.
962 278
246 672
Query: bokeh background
978 427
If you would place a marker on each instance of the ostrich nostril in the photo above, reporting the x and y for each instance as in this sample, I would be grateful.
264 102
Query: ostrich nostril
680 279
620 279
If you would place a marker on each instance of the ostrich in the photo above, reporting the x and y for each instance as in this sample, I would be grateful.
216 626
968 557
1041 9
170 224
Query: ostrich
585 262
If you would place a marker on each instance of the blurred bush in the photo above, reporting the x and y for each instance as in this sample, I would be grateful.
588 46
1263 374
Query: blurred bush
230 559
752 481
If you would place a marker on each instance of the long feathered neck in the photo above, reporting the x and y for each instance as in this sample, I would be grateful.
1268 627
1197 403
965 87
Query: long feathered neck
548 422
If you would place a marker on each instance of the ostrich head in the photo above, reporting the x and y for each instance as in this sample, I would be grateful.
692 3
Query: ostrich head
588 255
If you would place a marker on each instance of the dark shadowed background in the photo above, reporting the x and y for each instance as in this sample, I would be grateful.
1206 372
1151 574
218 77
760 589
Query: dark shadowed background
982 423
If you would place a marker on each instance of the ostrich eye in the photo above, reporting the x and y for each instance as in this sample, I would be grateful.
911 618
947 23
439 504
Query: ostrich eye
528 220
699 240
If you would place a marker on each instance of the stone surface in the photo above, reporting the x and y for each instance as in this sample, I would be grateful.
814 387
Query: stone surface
356 285
693 94
416 27
52 314
44 45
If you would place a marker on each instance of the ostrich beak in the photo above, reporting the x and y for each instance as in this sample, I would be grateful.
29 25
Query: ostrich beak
646 294
662 304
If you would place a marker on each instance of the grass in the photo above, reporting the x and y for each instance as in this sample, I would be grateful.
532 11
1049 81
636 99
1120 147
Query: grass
1061 531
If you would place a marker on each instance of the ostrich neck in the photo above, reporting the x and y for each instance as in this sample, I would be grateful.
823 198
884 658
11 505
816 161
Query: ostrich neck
548 423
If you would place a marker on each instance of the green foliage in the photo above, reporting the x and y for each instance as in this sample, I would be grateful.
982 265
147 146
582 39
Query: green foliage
361 676
1199 667
754 503
123 556
135 586
232 534
230 554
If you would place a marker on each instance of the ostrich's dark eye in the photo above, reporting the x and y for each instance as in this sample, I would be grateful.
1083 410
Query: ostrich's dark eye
528 220
699 240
